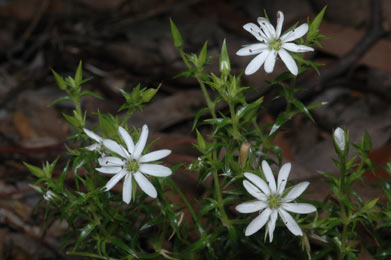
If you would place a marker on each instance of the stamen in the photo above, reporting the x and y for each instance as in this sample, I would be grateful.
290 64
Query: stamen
278 15
251 51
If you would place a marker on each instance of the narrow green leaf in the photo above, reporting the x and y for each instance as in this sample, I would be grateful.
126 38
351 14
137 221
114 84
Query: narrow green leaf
302 108
90 93
203 54
38 172
176 35
60 81
79 74
281 119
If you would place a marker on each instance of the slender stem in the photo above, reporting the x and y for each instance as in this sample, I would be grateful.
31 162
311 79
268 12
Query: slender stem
344 215
234 122
290 91
209 102
224 218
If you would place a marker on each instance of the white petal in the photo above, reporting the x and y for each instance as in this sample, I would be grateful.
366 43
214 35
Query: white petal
127 189
141 142
258 222
145 185
127 139
257 62
93 147
155 170
269 176
271 225
254 191
301 208
280 21
283 177
290 46
154 156
251 49
270 61
109 169
255 31
111 161
250 207
339 136
289 61
267 28
290 223
116 148
92 135
295 33
261 184
114 180
296 191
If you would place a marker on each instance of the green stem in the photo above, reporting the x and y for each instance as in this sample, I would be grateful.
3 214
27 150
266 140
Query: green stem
224 218
290 92
209 102
344 215
234 122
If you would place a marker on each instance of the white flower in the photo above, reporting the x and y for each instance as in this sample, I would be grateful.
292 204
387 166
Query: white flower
98 145
271 201
49 195
131 164
339 137
272 44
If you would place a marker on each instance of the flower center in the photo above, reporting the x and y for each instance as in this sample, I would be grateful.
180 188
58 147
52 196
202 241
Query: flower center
275 44
274 201
132 165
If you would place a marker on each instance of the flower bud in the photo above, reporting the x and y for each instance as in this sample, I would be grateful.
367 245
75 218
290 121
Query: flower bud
244 151
339 137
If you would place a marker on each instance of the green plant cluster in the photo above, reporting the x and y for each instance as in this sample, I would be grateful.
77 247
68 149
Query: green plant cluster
176 226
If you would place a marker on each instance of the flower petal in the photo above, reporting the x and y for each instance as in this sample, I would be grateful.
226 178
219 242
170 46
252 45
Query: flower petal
155 170
296 191
127 139
257 62
269 176
154 156
258 222
270 61
127 189
110 161
295 33
271 225
255 31
280 21
290 223
115 148
301 208
92 135
251 49
254 191
145 185
261 184
109 169
250 207
93 147
289 61
290 46
141 142
114 180
283 177
267 28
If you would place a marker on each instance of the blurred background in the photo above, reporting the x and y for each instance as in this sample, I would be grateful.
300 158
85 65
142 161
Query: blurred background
126 42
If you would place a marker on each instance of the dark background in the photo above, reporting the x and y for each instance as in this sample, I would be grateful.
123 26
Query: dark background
126 42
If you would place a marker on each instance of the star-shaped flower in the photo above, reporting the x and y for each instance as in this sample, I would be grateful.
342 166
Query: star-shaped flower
272 44
131 164
96 146
271 201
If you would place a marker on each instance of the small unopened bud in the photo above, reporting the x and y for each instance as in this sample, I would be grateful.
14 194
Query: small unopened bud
339 137
244 152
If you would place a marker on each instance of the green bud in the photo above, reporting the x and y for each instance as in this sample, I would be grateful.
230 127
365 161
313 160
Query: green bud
225 66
